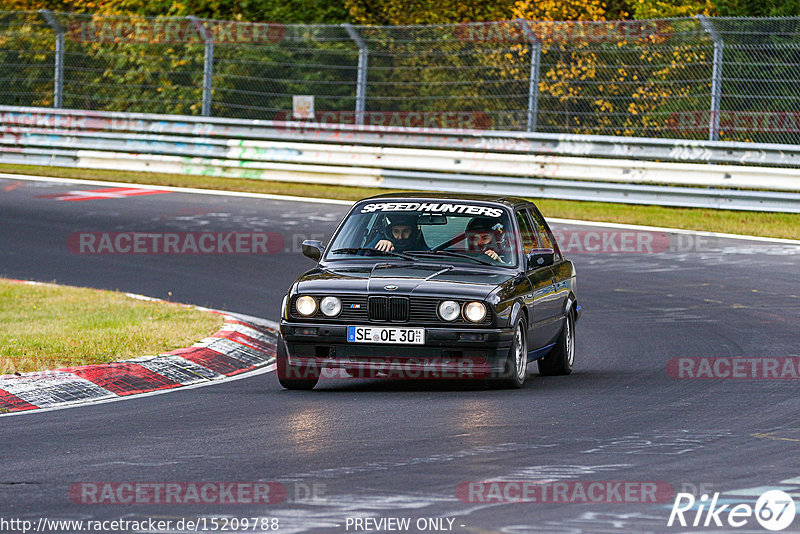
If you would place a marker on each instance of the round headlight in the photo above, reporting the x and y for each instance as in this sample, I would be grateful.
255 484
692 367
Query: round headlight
306 305
449 310
475 311
330 306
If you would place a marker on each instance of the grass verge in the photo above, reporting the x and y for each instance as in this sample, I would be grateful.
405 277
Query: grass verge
49 326
782 225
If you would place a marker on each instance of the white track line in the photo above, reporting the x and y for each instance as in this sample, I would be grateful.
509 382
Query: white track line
289 198
192 190
674 231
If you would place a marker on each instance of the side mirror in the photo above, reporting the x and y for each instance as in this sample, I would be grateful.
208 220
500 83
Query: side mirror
540 257
313 249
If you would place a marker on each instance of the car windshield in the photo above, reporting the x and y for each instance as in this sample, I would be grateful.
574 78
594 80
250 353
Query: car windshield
448 232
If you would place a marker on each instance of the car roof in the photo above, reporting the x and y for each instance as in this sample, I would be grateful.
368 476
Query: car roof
510 201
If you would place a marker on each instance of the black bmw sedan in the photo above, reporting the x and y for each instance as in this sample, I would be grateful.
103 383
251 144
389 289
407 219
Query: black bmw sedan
428 285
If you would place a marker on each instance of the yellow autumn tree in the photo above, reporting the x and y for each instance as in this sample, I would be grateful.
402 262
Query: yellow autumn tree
661 9
605 77
559 10
394 13
550 21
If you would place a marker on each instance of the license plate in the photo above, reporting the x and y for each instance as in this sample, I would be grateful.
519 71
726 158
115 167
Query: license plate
377 334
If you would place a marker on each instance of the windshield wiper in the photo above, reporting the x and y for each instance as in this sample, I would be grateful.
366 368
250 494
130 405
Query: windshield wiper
451 253
355 250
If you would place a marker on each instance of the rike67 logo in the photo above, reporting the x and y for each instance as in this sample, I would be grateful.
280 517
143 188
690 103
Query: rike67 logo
774 510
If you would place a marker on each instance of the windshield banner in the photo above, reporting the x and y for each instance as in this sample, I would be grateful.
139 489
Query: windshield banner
433 207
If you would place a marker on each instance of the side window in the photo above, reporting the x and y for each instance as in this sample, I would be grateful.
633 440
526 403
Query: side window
376 223
545 235
527 236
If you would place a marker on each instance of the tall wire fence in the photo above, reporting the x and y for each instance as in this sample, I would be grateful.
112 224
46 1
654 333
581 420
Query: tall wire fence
733 79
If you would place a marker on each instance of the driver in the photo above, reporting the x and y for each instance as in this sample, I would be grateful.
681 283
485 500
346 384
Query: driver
485 235
401 235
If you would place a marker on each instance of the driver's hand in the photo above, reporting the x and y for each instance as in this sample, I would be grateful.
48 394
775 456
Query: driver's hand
494 255
384 245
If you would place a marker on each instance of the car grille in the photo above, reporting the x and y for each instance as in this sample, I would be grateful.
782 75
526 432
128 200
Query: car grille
388 309
424 311
380 309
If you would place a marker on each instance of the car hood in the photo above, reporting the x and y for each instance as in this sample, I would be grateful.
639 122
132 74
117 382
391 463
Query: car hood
425 280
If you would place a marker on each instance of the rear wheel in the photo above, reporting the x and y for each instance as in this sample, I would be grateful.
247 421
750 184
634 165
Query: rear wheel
559 360
294 376
513 375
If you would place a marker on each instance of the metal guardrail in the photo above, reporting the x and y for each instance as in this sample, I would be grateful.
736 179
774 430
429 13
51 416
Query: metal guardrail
12 118
628 170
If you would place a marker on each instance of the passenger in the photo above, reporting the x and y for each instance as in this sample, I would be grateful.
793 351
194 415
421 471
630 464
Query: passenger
485 235
401 235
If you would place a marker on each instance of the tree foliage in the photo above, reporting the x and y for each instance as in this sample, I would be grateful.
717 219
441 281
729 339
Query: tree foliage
382 12
283 11
661 9
558 10
393 12
594 76
758 8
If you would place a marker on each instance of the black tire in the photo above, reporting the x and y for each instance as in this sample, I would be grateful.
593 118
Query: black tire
516 366
559 361
294 376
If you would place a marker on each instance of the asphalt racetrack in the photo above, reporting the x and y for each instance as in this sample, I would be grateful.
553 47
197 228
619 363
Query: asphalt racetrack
645 408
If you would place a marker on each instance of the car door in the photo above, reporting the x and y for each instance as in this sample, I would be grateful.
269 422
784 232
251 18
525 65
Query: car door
561 271
539 301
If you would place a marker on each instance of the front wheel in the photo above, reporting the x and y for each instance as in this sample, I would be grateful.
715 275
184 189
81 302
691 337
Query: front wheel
559 360
516 366
294 376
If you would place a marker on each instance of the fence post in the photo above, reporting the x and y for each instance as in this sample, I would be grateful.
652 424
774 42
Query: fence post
58 82
716 77
361 83
533 79
208 63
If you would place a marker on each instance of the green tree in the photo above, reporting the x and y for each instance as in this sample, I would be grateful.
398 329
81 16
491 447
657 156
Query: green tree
758 8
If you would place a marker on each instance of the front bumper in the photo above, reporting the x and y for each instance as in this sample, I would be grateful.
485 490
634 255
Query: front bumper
447 352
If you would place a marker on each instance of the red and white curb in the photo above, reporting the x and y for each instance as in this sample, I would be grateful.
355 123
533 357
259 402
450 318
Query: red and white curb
242 345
